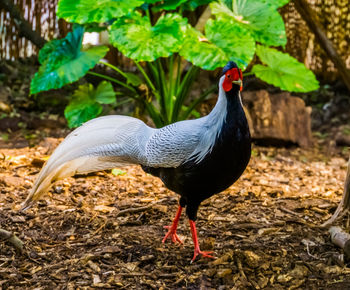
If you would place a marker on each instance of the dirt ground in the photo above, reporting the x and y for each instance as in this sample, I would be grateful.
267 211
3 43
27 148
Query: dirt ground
104 230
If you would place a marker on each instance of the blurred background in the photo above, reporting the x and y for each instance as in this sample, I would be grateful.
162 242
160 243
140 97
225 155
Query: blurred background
25 26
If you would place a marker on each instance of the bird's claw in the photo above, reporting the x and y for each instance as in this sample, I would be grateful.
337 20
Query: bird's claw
172 233
205 254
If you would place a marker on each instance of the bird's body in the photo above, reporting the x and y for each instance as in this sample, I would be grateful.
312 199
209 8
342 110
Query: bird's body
194 158
220 168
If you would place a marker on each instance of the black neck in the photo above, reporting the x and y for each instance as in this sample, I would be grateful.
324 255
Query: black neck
235 112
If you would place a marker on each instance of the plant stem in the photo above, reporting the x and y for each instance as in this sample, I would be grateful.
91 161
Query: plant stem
112 80
123 102
172 84
148 14
171 71
181 9
178 74
153 71
196 102
185 86
155 77
154 114
114 68
163 92
145 76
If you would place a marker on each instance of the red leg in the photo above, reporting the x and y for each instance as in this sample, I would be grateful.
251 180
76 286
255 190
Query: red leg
173 227
197 250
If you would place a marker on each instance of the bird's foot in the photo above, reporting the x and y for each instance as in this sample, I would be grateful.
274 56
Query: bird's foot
197 250
205 254
172 233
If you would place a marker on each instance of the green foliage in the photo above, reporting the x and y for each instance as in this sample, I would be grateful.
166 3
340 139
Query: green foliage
87 11
4 137
136 38
133 79
198 50
51 47
194 4
260 18
235 41
158 34
222 42
284 71
276 3
169 5
86 101
63 61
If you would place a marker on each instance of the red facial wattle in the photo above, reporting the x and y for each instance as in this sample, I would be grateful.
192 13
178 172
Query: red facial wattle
232 75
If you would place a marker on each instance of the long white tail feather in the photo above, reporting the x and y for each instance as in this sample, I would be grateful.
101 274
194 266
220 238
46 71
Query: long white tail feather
113 141
89 148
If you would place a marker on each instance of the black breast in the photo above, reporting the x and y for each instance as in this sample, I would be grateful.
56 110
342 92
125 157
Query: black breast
219 169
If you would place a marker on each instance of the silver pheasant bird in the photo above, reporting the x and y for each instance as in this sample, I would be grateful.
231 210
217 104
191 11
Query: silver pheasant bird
194 158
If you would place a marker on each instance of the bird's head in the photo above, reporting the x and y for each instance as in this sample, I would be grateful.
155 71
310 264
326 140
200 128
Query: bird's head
233 75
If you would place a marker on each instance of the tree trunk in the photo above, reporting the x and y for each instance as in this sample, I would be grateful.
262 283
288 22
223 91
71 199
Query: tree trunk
311 20
23 26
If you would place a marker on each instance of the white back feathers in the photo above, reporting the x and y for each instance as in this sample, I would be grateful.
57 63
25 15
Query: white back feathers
114 141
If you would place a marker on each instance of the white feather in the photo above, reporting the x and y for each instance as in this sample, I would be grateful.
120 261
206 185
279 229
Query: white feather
113 141
211 125
83 150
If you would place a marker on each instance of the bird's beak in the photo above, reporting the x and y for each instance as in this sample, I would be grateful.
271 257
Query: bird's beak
238 82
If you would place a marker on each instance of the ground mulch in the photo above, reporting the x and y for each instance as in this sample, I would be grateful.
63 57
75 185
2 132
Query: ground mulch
104 230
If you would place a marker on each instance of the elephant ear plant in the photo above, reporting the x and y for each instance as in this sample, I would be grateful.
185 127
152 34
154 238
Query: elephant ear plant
167 51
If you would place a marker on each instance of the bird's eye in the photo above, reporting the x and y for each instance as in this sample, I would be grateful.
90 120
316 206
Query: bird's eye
229 76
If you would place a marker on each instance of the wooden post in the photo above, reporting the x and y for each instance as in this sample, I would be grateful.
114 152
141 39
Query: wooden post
311 20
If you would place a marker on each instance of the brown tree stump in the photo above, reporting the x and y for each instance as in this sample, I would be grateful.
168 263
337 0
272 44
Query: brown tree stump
278 119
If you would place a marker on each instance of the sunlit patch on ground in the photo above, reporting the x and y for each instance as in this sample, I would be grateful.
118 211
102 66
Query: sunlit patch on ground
105 230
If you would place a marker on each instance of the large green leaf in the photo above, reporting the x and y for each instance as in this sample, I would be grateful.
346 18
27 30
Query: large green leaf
169 5
276 3
261 19
193 4
87 11
85 103
234 40
47 49
64 62
133 79
136 38
104 93
187 4
151 1
56 50
95 27
77 112
284 71
198 50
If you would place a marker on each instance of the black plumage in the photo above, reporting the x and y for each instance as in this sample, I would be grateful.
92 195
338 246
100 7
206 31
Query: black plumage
220 168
